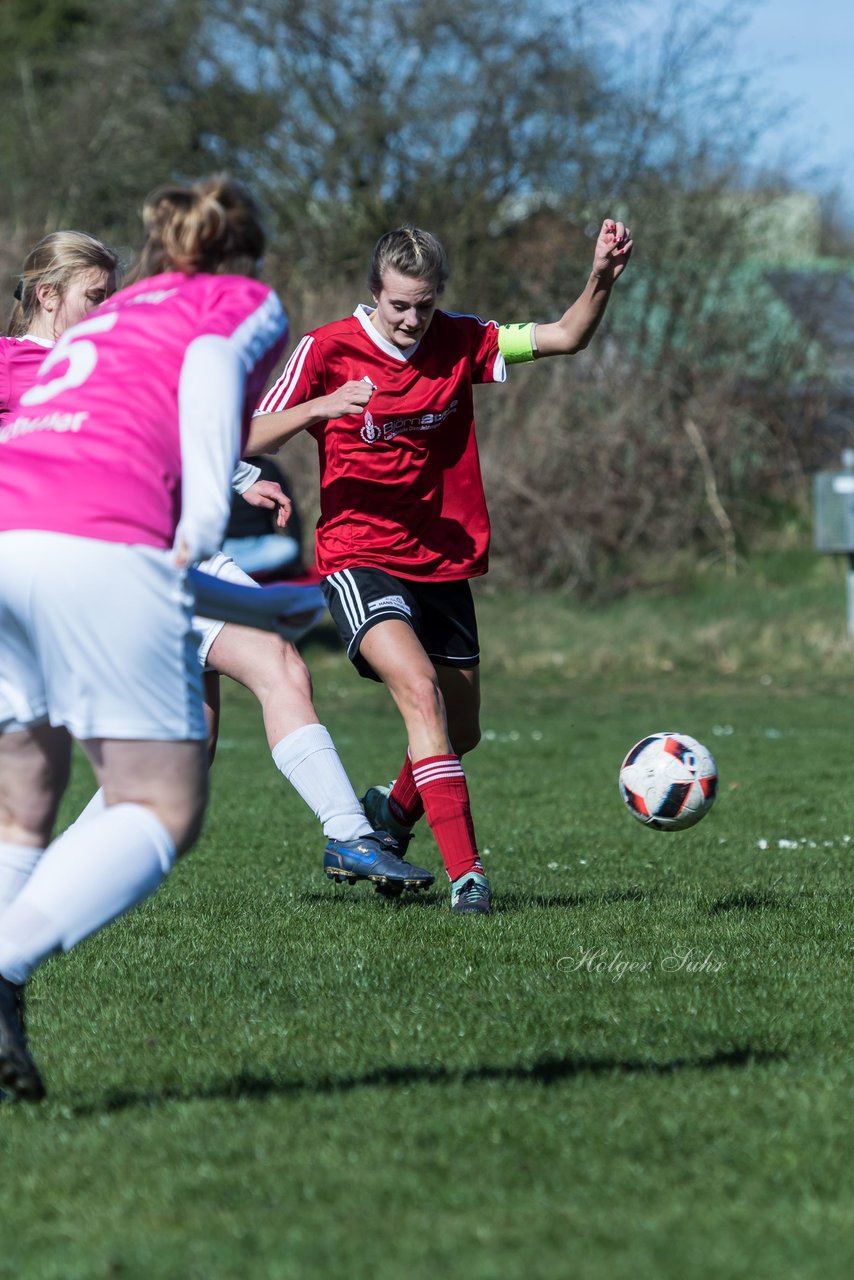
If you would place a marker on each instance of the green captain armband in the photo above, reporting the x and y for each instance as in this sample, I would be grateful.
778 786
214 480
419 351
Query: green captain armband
517 343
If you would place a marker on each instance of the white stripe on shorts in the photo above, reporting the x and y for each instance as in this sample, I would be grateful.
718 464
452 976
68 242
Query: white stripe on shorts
351 601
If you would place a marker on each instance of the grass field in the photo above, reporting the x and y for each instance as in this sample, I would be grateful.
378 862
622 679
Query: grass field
639 1066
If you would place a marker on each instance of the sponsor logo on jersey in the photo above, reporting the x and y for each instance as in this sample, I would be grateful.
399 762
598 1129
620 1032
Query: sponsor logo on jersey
390 602
154 295
60 422
371 431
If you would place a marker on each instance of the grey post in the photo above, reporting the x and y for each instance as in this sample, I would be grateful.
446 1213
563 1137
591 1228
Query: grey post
833 507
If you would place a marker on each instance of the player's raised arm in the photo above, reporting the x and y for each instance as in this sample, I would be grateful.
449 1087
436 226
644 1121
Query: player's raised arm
580 321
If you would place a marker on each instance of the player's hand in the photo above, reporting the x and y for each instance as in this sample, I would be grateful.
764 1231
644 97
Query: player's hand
269 494
351 398
181 552
613 249
187 549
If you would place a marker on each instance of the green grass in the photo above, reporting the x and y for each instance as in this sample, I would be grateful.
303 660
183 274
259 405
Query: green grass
639 1066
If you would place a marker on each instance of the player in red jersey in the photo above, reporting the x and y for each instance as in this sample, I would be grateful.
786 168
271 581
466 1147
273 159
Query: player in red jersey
403 520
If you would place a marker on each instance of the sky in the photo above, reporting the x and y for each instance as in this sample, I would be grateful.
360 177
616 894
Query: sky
809 46
805 52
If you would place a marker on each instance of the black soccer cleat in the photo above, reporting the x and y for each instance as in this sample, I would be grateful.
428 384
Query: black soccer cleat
19 1077
378 811
377 858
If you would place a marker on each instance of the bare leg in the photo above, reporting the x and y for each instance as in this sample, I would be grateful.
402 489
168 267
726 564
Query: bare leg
212 701
169 779
461 691
34 766
301 747
34 769
155 796
273 670
398 657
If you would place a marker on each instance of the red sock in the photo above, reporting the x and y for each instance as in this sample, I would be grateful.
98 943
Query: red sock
404 801
444 792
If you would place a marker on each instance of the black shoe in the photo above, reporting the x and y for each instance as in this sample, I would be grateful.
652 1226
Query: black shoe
378 811
19 1077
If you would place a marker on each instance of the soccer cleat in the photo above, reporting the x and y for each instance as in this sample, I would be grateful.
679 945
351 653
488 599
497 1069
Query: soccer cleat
397 849
19 1076
374 857
471 894
378 812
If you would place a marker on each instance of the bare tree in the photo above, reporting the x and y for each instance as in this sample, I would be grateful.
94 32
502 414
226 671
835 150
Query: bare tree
509 128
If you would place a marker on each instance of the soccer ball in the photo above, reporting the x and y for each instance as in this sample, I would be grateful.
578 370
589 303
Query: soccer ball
668 781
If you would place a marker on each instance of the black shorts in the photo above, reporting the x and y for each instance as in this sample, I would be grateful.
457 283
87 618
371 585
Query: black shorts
440 613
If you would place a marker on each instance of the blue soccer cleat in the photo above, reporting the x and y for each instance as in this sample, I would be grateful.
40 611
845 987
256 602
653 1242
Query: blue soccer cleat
376 857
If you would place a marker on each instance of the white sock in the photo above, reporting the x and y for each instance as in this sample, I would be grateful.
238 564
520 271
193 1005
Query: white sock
17 864
88 877
308 759
96 805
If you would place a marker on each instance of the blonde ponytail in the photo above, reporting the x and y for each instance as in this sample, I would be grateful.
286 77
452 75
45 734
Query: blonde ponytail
213 225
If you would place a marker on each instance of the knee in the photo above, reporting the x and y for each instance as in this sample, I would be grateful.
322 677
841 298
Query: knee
282 667
31 829
422 698
28 814
184 818
181 809
292 675
191 829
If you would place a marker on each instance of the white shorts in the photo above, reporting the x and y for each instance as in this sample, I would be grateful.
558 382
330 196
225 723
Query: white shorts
98 637
219 566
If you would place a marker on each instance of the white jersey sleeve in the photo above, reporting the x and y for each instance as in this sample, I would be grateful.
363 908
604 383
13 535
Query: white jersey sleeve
210 402
245 475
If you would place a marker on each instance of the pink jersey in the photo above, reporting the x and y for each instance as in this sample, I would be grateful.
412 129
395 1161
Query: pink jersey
94 446
19 363
401 488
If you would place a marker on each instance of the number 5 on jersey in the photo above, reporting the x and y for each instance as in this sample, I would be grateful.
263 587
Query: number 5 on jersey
81 354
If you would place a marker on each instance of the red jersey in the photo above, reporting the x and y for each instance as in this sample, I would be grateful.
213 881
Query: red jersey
400 485
20 359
